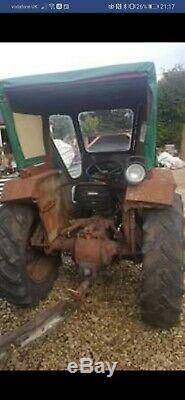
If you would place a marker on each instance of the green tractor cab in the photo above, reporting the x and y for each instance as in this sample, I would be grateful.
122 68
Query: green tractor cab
84 143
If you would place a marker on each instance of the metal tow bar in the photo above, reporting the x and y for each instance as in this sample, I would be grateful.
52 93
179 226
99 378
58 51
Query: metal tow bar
42 323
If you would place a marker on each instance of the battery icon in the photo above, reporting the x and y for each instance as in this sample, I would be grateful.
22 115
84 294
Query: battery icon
153 6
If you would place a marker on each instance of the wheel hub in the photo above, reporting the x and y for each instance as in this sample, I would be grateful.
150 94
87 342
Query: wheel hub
39 268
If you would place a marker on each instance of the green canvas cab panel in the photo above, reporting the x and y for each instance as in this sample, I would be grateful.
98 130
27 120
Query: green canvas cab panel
10 102
25 133
29 130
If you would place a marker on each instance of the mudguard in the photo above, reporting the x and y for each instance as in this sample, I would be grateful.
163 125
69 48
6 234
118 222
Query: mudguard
157 189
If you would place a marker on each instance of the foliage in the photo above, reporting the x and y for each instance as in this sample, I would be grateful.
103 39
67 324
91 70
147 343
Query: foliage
89 123
106 121
171 106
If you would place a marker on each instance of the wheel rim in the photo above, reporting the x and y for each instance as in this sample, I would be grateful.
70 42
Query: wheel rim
39 268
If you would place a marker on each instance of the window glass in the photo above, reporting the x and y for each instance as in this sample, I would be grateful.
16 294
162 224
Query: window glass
107 130
64 137
30 134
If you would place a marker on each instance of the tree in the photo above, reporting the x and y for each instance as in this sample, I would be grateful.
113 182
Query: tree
89 124
105 122
115 120
171 106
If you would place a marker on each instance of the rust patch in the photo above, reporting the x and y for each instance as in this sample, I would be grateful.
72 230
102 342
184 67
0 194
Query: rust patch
39 268
94 253
132 232
61 244
92 227
49 196
93 244
47 191
35 170
157 189
22 189
129 228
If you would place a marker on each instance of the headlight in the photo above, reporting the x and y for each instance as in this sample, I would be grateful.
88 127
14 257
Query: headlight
135 173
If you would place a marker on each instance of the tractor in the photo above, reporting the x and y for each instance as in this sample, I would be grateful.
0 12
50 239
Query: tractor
88 186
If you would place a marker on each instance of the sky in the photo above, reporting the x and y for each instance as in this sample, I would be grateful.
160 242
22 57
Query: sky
18 59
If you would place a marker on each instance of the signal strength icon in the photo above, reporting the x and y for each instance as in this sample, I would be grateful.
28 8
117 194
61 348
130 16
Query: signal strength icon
51 6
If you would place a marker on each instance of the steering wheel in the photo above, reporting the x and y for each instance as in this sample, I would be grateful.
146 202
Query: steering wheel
104 169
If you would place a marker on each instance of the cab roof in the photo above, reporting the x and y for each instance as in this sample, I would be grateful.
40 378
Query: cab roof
82 74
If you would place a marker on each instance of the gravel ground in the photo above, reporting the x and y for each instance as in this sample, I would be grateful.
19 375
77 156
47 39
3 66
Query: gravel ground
107 327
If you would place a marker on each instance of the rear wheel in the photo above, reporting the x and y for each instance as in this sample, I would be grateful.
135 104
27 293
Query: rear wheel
26 273
162 277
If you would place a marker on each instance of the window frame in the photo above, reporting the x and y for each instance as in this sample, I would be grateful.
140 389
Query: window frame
58 153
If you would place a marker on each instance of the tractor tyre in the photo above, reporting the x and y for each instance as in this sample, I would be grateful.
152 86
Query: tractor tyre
26 273
162 276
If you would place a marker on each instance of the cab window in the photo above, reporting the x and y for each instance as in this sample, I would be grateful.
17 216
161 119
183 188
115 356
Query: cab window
107 130
64 137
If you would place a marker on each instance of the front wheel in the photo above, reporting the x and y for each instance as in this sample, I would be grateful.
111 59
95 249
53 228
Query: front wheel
162 276
26 274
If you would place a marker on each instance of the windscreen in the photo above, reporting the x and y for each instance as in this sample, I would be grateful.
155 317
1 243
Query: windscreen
107 130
